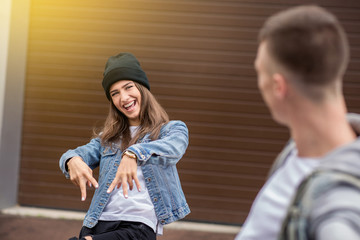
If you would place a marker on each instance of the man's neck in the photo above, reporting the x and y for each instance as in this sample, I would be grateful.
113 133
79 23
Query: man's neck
319 129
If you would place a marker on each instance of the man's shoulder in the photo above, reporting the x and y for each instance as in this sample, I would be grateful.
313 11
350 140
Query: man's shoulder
322 183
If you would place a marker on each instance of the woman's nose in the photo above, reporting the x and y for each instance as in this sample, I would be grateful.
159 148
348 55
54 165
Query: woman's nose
124 97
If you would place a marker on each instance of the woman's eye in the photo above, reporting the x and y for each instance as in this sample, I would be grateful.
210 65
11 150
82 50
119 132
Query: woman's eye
128 87
114 94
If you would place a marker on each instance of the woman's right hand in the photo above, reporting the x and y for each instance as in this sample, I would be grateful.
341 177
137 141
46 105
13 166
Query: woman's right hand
81 175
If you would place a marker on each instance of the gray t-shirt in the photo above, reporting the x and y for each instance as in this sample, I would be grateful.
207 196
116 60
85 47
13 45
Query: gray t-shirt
270 206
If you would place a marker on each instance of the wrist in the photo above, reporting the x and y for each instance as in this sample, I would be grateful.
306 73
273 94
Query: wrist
130 155
67 164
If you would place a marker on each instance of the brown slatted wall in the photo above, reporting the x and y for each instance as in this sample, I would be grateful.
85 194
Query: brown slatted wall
199 58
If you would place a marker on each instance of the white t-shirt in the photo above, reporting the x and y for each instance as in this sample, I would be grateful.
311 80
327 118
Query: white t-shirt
270 206
138 207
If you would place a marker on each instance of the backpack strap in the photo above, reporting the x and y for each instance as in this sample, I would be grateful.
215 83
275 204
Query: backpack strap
296 224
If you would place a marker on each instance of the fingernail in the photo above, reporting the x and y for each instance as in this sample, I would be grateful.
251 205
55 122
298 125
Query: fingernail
126 196
90 185
96 186
108 191
82 199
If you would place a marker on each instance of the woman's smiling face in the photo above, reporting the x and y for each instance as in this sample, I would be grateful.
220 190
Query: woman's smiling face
127 99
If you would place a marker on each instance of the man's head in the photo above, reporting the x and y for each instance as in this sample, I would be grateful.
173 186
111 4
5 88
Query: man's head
308 46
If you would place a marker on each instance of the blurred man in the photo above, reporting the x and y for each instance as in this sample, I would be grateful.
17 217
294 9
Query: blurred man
302 56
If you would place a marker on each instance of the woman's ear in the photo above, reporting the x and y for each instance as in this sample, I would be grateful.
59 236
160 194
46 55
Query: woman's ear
280 86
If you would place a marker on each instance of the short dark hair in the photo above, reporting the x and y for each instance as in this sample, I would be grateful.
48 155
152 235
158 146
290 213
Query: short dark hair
309 42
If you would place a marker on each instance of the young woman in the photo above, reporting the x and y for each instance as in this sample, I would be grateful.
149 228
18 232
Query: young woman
138 190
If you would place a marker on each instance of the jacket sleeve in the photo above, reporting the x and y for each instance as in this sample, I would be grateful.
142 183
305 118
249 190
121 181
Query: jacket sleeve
167 150
90 153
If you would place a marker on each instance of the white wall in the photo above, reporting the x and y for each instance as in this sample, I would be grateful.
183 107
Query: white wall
14 23
5 9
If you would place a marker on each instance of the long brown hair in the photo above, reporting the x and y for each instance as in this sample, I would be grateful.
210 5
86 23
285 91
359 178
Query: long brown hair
116 127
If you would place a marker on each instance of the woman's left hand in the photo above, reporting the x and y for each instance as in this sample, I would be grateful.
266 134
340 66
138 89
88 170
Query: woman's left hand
126 175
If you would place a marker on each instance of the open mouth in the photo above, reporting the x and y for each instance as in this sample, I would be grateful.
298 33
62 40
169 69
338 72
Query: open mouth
130 105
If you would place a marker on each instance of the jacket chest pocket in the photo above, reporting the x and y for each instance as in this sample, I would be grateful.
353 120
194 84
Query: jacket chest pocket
108 159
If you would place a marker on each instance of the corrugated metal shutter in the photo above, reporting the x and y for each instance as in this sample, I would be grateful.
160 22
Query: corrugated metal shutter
199 58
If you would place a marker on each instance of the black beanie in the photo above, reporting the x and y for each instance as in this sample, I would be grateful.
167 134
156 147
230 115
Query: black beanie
123 66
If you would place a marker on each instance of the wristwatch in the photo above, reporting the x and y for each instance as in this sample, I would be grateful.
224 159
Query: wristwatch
130 154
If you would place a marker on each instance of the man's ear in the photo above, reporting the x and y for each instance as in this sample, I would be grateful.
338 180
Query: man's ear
280 86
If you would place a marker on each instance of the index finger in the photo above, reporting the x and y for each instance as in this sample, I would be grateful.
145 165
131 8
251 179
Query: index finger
137 183
92 180
113 184
125 189
82 185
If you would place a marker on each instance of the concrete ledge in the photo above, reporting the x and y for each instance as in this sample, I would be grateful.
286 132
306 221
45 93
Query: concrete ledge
203 227
73 215
43 212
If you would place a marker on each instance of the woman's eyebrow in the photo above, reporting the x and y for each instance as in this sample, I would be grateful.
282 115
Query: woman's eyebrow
112 91
126 84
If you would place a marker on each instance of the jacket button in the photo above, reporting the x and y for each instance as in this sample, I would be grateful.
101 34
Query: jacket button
101 204
108 184
155 199
162 221
149 179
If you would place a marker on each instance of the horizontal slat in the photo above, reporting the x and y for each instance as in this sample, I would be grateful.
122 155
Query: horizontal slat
195 93
238 131
187 116
99 53
149 13
230 205
116 39
244 7
222 179
226 143
51 141
219 32
245 154
223 166
205 130
217 217
57 190
64 79
38 176
51 201
44 165
238 155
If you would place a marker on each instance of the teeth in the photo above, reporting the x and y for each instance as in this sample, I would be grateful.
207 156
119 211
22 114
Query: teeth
129 104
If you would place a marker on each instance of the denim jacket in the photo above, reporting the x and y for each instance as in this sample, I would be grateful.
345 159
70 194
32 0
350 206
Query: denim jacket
157 159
